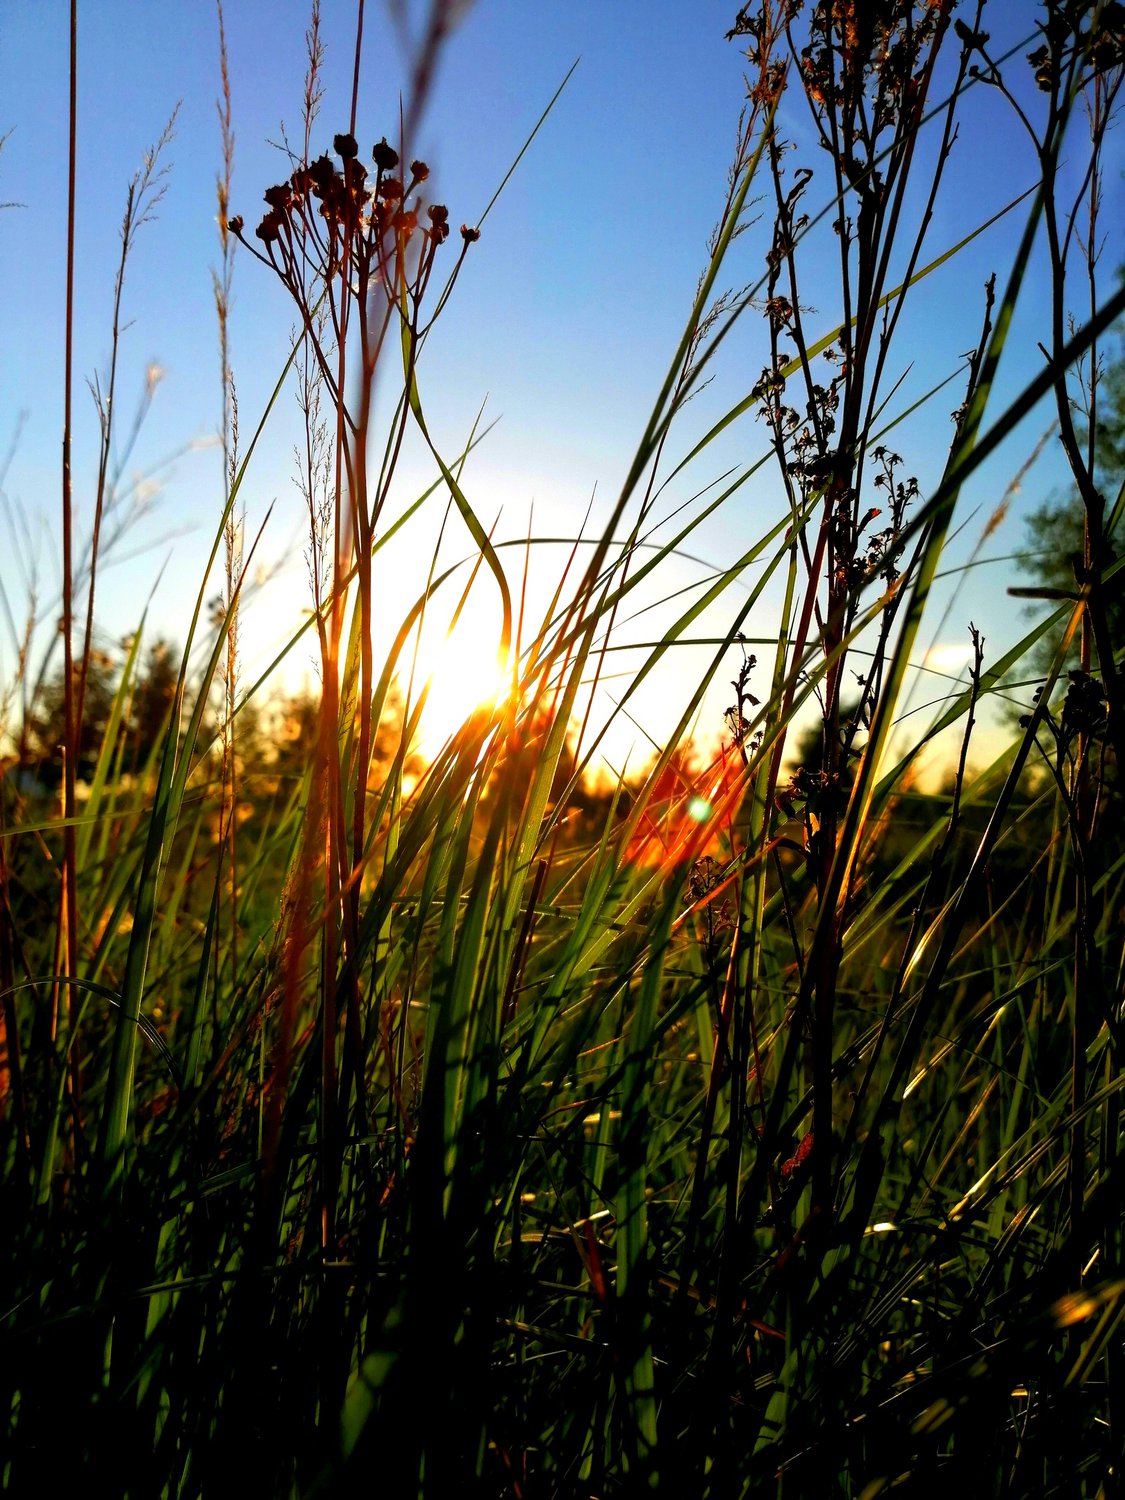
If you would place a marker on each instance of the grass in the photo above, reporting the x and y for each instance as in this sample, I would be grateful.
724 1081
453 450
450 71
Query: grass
751 1127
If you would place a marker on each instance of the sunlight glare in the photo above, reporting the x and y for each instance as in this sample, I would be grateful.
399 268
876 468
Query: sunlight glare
465 671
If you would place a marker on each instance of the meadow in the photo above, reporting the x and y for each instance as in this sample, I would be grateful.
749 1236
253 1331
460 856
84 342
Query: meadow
466 1123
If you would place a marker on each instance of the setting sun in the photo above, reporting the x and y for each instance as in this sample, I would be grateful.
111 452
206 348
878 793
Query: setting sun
461 670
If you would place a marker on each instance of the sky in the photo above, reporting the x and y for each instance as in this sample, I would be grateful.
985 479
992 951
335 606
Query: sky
563 322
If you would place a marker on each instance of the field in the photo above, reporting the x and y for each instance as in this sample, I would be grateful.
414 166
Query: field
457 1119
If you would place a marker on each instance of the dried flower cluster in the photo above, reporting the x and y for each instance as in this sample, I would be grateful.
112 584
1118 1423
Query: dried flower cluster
867 52
1077 33
739 716
1083 713
351 226
346 203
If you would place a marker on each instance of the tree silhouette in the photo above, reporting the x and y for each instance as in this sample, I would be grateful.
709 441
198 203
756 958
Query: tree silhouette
1056 530
146 712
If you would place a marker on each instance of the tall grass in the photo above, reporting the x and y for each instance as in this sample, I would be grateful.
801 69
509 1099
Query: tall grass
757 1130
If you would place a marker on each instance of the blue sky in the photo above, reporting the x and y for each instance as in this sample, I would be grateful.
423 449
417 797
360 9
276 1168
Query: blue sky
566 316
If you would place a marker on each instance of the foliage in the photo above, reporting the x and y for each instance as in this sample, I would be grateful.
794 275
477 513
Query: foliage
143 723
1056 530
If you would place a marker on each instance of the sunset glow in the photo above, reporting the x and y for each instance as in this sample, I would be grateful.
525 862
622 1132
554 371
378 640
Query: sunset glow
461 671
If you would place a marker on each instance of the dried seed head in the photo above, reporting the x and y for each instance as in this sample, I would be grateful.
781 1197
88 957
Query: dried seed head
355 175
419 171
470 236
439 221
345 146
323 174
385 157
